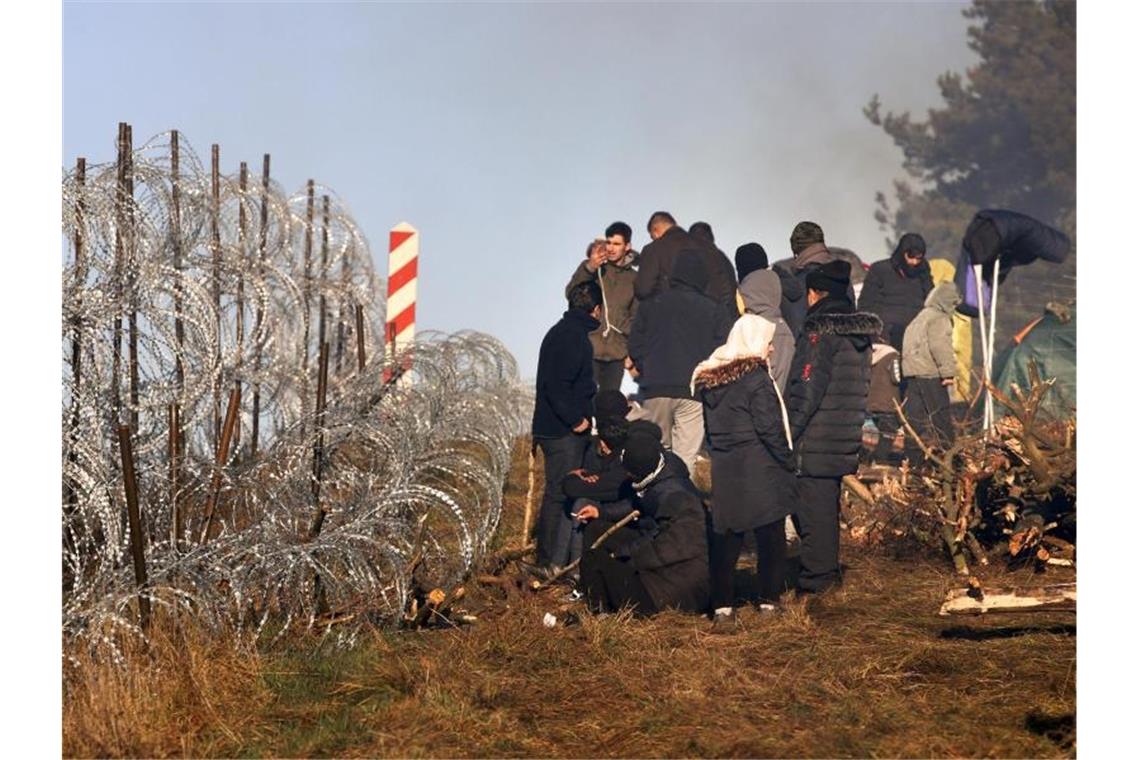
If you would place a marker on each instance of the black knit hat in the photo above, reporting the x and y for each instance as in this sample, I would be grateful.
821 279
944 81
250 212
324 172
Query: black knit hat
749 258
834 277
645 427
610 405
805 234
641 455
614 432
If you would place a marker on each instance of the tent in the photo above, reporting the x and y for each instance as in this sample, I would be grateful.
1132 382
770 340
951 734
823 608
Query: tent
1051 342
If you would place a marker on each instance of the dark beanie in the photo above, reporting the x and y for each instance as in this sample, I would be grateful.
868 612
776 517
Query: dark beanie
805 234
645 427
641 455
610 405
702 231
614 432
834 277
749 258
912 242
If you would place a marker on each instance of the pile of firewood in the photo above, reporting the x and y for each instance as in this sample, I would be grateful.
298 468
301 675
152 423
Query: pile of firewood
1012 488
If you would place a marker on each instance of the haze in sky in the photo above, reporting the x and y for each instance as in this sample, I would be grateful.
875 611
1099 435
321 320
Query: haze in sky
511 134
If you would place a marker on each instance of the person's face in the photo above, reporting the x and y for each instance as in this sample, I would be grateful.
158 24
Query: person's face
616 247
913 259
814 296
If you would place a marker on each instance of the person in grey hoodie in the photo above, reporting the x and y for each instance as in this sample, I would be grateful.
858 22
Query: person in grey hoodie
761 291
929 365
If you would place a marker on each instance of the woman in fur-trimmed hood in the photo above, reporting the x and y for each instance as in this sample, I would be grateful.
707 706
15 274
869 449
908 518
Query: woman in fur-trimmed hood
749 443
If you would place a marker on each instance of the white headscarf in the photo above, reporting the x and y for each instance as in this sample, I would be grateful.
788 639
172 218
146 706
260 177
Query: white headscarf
751 336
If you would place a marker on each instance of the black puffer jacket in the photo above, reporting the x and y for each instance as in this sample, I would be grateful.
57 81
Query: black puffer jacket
675 330
613 485
564 385
672 558
827 388
895 293
751 461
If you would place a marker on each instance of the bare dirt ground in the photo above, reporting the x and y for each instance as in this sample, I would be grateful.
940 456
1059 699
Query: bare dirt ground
869 670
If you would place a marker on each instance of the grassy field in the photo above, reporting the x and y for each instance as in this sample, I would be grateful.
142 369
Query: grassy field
869 670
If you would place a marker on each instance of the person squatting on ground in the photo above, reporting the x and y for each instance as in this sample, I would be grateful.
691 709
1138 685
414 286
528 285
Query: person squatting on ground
929 366
826 402
672 332
884 391
563 407
896 288
611 263
663 562
749 443
760 293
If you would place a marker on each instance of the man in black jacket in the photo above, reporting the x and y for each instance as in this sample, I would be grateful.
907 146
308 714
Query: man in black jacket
673 331
826 402
563 406
659 257
897 287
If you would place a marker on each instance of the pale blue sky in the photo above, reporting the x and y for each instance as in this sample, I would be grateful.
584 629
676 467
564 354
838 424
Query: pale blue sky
510 134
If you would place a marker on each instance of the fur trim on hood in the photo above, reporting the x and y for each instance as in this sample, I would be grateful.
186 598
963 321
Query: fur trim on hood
728 373
854 323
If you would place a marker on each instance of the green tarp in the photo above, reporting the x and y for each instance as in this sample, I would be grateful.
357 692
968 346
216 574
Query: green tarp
1053 345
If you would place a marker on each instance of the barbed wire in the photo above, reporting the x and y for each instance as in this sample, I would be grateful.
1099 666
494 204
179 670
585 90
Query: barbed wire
180 287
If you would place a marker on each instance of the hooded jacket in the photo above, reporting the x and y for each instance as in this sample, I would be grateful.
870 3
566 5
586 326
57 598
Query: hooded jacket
671 557
793 280
761 292
895 292
564 385
827 388
610 340
748 445
676 329
928 349
886 376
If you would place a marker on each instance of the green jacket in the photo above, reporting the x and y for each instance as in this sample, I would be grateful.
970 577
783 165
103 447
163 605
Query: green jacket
928 349
610 341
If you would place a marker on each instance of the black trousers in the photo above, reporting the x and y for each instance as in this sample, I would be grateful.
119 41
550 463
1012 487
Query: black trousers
724 552
608 374
555 527
611 584
817 522
928 410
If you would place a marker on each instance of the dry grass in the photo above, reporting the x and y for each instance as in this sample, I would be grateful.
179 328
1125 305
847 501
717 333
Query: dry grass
869 670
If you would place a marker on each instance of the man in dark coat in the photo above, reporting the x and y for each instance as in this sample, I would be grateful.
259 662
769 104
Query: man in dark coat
809 252
612 266
672 332
658 258
665 566
563 406
897 287
827 400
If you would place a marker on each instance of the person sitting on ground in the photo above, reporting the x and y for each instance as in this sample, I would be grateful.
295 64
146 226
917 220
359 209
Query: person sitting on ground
665 566
750 445
886 381
896 288
929 366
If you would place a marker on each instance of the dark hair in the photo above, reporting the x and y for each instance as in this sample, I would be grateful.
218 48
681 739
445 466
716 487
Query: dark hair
585 296
702 230
614 433
659 217
805 234
620 228
592 245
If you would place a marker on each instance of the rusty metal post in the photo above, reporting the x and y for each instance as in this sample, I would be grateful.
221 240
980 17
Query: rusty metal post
130 488
318 447
77 321
117 276
220 460
132 281
174 444
324 269
307 290
262 236
243 183
216 249
359 338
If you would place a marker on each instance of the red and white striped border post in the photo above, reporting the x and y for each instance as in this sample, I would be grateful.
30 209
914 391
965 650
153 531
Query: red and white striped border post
403 265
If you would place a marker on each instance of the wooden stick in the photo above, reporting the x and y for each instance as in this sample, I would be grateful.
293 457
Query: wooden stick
528 514
976 601
860 490
130 489
601 540
220 460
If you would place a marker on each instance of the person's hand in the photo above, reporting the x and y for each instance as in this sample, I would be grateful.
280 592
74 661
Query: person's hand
947 381
582 426
627 363
588 512
578 472
596 259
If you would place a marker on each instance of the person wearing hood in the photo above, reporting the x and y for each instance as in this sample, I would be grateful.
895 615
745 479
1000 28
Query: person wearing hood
760 292
929 365
750 445
886 379
563 406
809 253
896 288
826 401
611 263
671 333
655 568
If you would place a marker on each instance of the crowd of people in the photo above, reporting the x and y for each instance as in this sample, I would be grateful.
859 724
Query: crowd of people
771 371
